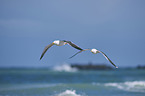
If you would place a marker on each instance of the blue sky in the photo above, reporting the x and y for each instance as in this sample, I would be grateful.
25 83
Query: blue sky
116 27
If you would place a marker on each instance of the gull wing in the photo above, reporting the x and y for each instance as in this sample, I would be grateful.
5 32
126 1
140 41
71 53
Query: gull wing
78 53
108 59
45 49
73 45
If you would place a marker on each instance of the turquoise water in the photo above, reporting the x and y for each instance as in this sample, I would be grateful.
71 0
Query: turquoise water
46 82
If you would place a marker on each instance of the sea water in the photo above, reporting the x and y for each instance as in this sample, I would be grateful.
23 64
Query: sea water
65 81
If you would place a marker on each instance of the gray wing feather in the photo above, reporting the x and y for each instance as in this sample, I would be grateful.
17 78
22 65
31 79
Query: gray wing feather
108 59
45 49
78 53
73 45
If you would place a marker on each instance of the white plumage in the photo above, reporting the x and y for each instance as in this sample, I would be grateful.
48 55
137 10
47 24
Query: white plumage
59 43
95 51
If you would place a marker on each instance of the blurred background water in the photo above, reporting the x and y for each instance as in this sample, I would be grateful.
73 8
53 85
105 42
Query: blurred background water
66 81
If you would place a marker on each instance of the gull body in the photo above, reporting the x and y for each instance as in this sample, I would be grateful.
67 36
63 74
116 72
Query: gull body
95 51
59 43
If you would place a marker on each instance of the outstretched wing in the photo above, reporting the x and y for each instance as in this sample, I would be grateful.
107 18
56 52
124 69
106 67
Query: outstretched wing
73 45
45 49
108 59
78 53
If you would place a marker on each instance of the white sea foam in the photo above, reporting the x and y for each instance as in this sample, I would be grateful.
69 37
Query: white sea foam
134 86
64 67
68 93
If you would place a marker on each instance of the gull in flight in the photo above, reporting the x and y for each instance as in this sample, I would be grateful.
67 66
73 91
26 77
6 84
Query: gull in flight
59 43
95 51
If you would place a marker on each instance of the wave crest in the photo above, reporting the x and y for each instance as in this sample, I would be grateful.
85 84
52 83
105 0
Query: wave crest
64 67
68 93
135 86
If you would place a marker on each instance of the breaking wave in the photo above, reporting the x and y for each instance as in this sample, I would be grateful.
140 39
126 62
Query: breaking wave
134 86
64 67
68 93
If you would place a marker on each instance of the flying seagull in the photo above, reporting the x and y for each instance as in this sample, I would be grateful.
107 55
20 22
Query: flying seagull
95 51
59 43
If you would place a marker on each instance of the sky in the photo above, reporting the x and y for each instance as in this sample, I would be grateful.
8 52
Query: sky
116 27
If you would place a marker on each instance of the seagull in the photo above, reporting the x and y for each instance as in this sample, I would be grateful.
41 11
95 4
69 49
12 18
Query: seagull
59 43
95 51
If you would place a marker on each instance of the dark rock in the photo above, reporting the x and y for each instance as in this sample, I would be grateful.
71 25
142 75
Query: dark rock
90 66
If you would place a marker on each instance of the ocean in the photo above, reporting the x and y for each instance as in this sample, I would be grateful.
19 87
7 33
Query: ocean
66 81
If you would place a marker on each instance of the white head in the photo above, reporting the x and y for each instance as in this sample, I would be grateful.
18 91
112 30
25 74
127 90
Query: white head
56 42
94 51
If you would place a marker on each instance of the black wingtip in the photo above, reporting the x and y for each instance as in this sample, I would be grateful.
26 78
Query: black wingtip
40 57
70 57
